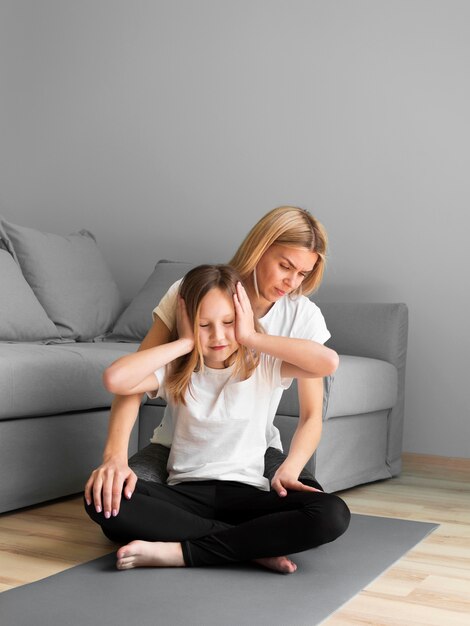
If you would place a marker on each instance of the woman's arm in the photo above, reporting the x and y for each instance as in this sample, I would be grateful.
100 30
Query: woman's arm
307 358
135 373
305 440
106 483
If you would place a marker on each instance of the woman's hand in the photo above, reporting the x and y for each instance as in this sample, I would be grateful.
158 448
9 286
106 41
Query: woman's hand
183 323
285 479
105 486
244 317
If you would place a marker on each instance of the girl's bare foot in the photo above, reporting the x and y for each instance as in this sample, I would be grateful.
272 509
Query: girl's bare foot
169 554
280 564
150 554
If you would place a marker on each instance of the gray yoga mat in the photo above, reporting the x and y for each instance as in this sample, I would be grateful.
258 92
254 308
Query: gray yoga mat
236 595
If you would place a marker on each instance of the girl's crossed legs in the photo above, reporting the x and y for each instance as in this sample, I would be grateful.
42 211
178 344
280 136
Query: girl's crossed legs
217 522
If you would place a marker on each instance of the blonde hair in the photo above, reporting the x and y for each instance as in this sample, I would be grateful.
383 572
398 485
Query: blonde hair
285 226
194 286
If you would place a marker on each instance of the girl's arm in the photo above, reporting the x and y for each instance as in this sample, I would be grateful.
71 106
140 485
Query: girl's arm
302 358
135 373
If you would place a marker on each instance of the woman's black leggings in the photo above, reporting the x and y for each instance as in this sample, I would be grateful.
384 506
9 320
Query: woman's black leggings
220 521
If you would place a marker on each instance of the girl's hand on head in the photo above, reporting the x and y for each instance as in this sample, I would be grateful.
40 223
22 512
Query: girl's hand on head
183 324
244 317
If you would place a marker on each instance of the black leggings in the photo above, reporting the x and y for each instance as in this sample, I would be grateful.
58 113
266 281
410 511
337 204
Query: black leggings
220 521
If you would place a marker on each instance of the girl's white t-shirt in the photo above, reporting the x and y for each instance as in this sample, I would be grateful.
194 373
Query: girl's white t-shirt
221 431
296 317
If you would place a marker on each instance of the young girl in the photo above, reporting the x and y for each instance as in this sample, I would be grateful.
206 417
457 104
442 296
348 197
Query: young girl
217 506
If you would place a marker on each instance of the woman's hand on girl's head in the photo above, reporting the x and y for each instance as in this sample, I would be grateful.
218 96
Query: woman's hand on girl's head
244 317
183 323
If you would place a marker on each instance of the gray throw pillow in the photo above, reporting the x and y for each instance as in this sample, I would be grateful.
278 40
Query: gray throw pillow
69 278
136 319
22 318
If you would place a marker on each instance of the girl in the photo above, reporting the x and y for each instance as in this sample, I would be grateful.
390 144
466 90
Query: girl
217 507
282 257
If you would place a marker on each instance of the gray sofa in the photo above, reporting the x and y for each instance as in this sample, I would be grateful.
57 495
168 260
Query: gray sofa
62 321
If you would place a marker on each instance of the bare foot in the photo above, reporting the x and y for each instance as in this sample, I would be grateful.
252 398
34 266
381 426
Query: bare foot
280 564
150 554
168 554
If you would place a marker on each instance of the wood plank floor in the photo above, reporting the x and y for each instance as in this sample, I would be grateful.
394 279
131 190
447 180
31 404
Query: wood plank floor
428 586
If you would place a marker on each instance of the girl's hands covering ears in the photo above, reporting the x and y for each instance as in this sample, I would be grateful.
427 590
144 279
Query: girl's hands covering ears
244 317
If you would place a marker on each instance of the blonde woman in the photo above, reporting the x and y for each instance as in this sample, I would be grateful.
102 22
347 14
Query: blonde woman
217 506
281 260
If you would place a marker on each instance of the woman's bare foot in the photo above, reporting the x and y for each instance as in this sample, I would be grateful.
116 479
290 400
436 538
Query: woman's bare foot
280 564
150 554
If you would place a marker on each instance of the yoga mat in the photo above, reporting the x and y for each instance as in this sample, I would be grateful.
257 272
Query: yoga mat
234 595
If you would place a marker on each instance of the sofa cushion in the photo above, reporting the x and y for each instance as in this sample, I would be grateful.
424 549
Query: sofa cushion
69 278
51 379
22 318
359 385
136 320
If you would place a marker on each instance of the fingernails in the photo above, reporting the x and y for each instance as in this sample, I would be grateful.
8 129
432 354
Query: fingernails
98 509
88 502
128 495
107 514
114 512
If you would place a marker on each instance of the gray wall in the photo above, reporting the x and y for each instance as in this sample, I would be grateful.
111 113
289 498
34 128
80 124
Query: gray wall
169 127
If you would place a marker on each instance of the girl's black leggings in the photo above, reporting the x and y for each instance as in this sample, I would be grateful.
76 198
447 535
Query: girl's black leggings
220 521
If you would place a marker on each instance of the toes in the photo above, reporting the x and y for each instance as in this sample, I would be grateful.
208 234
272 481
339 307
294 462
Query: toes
125 564
288 566
283 565
127 551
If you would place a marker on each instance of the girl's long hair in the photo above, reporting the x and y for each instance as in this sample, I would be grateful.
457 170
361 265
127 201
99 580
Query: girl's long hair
194 286
286 226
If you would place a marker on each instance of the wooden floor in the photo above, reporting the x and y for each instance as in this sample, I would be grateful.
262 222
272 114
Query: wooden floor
429 586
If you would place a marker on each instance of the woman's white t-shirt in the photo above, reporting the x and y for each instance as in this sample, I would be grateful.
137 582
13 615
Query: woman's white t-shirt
296 317
221 431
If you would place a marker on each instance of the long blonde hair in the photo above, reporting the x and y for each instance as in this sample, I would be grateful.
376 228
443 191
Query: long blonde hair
286 226
194 286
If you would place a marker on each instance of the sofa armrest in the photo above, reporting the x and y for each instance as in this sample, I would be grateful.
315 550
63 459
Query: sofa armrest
379 331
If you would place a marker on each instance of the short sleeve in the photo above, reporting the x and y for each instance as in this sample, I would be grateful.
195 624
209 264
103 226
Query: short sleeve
313 323
273 366
160 392
297 317
166 308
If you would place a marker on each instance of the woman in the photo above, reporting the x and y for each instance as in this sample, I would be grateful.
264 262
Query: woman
217 374
282 257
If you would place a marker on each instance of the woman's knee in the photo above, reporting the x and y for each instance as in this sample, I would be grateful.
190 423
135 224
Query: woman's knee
332 517
337 516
